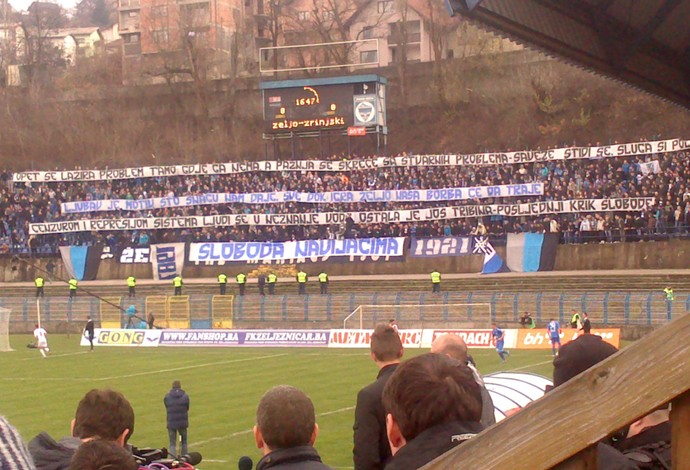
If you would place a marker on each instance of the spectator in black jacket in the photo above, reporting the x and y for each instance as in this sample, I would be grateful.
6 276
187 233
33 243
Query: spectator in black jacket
177 409
101 413
433 404
286 430
371 449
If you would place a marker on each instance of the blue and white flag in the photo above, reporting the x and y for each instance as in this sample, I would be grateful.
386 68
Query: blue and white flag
167 260
493 263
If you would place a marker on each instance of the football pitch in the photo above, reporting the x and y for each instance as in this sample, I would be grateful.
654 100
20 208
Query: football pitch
224 385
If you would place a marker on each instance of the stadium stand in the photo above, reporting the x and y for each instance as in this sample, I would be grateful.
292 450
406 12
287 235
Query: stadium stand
631 176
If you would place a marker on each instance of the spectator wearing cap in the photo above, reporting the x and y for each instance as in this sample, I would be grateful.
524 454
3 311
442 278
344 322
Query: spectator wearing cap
13 453
176 403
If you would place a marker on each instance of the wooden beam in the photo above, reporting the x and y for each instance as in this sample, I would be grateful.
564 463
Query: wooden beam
680 432
584 460
614 393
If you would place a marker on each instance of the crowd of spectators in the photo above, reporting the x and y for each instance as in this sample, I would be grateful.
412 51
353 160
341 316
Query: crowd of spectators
24 203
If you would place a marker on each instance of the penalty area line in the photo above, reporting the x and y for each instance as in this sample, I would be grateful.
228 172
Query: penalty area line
531 365
249 431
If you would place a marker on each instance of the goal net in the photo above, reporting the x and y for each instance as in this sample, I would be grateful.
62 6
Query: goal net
5 329
460 315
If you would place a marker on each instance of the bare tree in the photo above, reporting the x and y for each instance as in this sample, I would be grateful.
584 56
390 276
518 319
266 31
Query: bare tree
41 24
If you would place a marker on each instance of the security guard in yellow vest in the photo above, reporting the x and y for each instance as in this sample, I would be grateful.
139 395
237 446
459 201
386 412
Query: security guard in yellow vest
669 293
40 282
132 285
272 279
576 320
222 283
323 282
435 281
241 282
302 279
72 288
177 283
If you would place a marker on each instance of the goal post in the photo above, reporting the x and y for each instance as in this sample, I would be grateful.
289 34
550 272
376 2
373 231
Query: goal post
432 315
5 329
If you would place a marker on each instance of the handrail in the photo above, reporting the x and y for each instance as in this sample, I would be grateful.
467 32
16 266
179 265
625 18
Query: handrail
570 420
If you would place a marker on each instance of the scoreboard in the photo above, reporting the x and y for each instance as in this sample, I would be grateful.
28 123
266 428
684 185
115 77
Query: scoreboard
308 106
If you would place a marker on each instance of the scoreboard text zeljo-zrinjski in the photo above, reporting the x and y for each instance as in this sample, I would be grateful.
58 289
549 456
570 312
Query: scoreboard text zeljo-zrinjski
311 108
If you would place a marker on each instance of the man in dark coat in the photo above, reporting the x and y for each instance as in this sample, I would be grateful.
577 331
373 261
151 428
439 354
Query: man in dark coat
433 403
371 449
286 430
177 408
105 414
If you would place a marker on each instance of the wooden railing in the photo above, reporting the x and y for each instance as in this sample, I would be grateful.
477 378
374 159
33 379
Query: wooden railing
562 429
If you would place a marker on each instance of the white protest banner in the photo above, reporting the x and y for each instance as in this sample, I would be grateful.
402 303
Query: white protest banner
444 194
632 204
252 251
491 158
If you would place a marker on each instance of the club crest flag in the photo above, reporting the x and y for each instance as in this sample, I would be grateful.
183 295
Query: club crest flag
493 263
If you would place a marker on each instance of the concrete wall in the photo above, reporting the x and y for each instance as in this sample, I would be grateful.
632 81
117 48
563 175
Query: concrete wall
673 254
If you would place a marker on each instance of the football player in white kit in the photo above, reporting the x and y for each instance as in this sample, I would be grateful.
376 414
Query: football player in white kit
41 340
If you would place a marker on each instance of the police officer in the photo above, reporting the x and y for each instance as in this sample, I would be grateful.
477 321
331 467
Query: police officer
177 283
222 283
132 285
435 281
302 279
272 279
40 282
668 290
241 282
323 282
73 288
576 320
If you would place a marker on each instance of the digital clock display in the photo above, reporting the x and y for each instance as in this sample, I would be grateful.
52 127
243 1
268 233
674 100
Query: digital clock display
311 108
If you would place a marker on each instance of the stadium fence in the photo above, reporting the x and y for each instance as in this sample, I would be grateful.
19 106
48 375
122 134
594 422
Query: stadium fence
411 310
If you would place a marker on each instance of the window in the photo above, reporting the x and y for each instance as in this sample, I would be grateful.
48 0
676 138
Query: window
368 32
303 15
384 6
160 36
159 11
328 15
450 54
368 57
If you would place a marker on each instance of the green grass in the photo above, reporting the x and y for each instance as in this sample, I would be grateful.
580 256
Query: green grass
224 385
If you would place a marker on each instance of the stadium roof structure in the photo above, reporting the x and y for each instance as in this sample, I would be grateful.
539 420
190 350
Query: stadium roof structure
645 43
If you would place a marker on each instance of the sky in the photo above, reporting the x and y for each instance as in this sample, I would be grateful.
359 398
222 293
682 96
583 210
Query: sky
22 5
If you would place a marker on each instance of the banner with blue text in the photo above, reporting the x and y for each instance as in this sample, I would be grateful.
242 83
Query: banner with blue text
443 194
167 260
629 204
489 158
247 252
